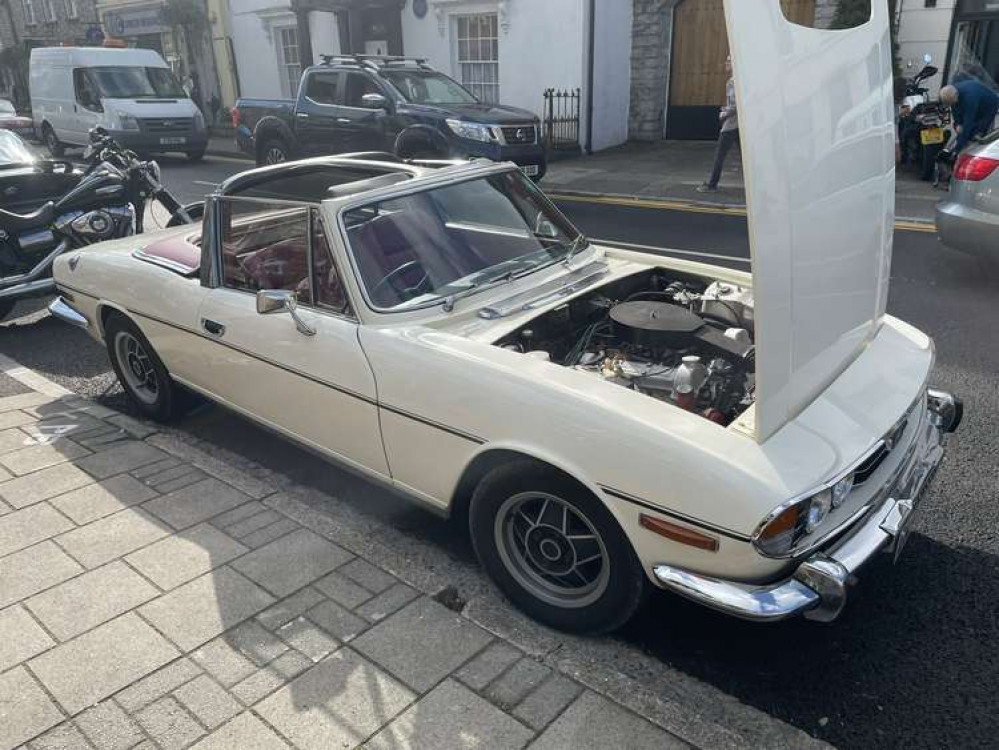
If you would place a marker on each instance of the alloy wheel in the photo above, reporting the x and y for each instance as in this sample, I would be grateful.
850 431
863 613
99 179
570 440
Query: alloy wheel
136 368
275 155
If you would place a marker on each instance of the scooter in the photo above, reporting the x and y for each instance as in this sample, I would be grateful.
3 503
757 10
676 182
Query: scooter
921 124
108 202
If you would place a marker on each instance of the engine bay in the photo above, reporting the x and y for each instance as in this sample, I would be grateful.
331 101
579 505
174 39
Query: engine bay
668 336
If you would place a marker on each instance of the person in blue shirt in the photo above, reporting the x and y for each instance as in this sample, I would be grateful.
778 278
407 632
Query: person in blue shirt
975 106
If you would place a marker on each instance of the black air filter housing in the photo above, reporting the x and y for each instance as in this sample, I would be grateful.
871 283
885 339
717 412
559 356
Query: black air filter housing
661 325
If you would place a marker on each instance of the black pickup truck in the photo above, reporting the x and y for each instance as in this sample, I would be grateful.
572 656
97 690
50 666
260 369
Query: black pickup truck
401 105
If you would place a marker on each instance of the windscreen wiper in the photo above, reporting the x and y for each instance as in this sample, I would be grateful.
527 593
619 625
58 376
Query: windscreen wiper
477 286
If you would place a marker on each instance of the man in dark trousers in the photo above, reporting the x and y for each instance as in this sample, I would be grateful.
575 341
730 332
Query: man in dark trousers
975 106
729 135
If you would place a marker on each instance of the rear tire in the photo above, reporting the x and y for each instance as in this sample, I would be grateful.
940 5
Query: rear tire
140 371
51 140
928 161
554 549
273 150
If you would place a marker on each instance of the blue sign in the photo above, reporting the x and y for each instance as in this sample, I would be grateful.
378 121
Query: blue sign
94 35
419 8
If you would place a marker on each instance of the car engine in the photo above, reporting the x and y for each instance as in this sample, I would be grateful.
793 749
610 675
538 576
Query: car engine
679 340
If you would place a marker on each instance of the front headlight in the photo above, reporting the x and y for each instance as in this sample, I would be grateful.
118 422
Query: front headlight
790 527
127 122
471 131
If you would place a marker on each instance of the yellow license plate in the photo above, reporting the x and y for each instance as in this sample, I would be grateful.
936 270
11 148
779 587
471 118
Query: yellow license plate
931 135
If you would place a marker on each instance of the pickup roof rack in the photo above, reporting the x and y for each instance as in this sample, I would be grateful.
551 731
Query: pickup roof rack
374 62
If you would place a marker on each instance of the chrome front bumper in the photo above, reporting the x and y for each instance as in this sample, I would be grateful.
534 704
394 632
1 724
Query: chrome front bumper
817 589
61 309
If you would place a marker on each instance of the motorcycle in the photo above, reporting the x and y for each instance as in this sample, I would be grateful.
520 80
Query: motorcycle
921 125
108 202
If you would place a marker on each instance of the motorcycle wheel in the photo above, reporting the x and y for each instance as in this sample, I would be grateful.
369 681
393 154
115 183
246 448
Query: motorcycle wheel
928 161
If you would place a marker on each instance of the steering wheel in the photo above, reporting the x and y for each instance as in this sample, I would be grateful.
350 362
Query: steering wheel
390 278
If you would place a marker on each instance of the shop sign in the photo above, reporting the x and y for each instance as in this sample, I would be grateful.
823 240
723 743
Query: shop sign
133 22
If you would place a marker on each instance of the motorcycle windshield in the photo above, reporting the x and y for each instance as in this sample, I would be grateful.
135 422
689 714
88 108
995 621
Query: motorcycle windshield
816 123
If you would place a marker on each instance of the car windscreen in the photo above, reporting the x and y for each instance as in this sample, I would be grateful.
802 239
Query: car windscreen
428 87
132 82
13 150
6 108
417 250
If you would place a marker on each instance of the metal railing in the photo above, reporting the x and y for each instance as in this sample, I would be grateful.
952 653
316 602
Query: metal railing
561 119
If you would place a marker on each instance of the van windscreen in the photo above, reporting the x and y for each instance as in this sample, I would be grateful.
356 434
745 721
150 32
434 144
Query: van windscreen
130 82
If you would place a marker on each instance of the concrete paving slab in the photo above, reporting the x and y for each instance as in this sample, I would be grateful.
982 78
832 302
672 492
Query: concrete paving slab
168 724
32 570
209 703
289 608
100 542
124 456
594 723
20 637
99 663
387 602
108 727
291 562
30 525
509 689
35 457
307 638
14 419
13 439
255 643
196 503
86 601
156 685
63 737
488 665
245 732
41 485
539 708
373 578
220 658
342 590
25 709
341 623
452 716
185 556
95 501
422 643
267 679
201 609
339 702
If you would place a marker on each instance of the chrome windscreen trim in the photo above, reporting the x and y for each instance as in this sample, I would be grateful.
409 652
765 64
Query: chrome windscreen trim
542 295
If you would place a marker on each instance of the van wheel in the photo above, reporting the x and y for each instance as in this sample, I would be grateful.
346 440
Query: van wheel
140 371
554 549
196 155
272 151
56 148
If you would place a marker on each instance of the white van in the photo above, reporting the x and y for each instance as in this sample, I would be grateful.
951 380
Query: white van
129 92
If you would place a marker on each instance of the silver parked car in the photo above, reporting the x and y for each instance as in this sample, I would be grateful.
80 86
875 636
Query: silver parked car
969 219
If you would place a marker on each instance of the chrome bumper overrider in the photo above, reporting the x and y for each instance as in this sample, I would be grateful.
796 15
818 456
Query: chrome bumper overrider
817 588
61 309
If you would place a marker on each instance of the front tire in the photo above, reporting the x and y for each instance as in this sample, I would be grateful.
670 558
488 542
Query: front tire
554 549
55 147
196 156
140 371
273 151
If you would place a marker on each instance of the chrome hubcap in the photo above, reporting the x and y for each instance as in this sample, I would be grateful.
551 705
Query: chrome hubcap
136 368
552 549
274 155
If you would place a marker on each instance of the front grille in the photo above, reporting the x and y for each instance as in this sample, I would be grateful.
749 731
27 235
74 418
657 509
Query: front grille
520 134
888 443
167 124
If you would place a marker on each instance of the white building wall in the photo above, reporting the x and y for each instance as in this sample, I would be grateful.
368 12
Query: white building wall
611 73
254 42
325 34
542 44
922 31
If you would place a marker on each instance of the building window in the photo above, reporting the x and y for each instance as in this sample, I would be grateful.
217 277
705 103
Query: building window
71 10
478 55
28 8
48 11
289 62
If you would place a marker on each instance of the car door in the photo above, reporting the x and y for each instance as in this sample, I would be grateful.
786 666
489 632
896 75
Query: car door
317 111
312 381
362 128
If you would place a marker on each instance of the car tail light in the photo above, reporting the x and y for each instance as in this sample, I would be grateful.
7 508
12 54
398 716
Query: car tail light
235 117
974 168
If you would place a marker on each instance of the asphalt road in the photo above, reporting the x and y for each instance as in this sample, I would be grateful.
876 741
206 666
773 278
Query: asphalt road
913 662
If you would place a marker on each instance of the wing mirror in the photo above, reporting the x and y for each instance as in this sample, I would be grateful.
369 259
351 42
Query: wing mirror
374 101
270 301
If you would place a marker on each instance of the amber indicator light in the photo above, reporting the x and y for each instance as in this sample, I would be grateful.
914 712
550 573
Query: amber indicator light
677 533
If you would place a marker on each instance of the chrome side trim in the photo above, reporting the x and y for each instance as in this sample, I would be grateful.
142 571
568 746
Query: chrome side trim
183 270
62 310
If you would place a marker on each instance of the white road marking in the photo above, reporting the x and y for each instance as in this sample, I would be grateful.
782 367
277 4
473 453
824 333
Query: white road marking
31 378
668 250
202 182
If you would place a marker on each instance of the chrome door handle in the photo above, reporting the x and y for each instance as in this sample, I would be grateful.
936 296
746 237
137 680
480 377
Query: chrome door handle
343 120
215 329
302 115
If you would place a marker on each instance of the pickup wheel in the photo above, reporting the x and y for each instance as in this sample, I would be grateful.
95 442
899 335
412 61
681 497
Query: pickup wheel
196 155
273 150
140 371
554 549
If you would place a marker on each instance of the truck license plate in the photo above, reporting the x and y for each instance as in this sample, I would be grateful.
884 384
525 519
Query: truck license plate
172 141
931 136
531 170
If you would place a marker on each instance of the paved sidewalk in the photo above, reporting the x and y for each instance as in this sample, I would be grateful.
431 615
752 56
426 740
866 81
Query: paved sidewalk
152 595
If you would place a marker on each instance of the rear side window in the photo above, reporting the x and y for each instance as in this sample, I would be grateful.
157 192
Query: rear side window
324 88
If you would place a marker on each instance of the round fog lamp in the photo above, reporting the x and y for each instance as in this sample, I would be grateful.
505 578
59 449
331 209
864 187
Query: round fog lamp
841 489
818 508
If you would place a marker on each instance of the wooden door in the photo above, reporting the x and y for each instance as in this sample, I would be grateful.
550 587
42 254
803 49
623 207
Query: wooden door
697 64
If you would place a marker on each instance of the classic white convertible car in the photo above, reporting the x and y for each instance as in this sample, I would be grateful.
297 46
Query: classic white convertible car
606 419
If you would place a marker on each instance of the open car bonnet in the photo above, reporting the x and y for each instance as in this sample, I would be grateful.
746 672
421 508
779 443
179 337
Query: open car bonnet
816 124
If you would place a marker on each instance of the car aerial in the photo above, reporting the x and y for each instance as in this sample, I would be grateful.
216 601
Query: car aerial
364 103
10 120
968 220
608 421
